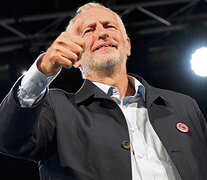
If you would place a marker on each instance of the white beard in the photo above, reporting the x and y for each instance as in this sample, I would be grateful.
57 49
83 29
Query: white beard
103 65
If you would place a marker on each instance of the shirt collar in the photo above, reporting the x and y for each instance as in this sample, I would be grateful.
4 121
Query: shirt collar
111 90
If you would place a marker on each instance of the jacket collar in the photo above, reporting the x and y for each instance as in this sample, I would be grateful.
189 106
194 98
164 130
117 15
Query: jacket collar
88 89
151 94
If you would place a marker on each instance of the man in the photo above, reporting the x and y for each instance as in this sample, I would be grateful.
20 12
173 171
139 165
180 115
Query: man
116 127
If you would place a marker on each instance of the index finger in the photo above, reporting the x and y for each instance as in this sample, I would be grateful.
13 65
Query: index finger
75 38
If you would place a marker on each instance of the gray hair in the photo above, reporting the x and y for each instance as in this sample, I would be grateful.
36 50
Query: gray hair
90 5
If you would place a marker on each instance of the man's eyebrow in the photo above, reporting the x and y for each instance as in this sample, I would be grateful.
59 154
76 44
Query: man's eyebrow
83 26
90 25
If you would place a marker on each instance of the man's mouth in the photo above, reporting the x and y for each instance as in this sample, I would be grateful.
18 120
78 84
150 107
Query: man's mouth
104 46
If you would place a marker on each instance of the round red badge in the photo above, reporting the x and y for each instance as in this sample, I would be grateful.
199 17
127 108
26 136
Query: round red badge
182 127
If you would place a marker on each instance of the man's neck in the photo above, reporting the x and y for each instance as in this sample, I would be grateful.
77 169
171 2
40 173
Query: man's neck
119 80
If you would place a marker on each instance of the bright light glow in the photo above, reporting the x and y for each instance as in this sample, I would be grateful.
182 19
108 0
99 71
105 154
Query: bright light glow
199 62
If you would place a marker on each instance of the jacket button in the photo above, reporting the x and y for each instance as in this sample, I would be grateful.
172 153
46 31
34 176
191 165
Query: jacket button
126 145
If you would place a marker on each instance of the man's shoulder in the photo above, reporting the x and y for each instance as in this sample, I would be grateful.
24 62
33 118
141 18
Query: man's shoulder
58 93
173 96
166 94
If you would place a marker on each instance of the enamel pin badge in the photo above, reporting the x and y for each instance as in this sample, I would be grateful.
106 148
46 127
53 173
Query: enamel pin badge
182 127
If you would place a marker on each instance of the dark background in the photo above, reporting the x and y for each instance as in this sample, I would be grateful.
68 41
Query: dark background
164 33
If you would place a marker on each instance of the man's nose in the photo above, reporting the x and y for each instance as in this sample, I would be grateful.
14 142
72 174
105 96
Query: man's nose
102 33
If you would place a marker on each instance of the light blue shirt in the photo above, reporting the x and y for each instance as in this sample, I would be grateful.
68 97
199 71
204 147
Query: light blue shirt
149 159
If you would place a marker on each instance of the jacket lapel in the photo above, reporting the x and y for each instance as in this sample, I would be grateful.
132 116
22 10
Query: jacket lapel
161 116
89 93
94 100
164 119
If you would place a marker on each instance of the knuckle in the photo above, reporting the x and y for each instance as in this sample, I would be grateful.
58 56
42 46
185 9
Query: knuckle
80 50
53 54
55 58
68 64
81 42
59 41
62 33
73 57
55 47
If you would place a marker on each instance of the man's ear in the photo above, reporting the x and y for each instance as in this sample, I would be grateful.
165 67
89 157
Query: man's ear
128 46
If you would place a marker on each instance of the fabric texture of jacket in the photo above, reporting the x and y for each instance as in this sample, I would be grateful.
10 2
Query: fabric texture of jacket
79 136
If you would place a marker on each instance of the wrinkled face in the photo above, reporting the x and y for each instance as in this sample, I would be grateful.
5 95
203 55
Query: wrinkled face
106 45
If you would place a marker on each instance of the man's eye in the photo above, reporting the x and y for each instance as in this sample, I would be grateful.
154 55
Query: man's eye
87 31
111 26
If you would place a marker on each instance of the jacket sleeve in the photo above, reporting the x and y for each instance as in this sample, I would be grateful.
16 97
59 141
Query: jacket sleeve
27 133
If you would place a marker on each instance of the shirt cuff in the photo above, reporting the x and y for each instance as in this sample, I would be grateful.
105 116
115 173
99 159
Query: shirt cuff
33 85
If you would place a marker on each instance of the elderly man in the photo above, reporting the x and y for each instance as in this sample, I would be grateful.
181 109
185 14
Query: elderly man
116 127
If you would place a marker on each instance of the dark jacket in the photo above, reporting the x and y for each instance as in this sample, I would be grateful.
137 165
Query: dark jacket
79 136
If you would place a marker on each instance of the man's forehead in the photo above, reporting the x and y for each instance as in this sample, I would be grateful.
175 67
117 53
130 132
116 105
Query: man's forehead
92 15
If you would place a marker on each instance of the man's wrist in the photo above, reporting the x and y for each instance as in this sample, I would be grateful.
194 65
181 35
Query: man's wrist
33 85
